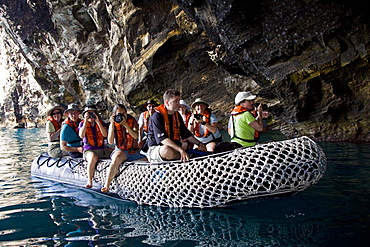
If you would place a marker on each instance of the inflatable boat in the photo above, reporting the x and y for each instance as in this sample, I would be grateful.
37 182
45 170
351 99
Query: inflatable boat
270 169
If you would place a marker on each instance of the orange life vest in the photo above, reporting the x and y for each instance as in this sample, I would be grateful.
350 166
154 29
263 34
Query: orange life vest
98 139
187 117
207 132
124 140
175 131
239 110
74 125
57 125
146 121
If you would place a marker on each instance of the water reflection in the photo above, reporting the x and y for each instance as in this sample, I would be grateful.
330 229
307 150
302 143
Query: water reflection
19 148
82 217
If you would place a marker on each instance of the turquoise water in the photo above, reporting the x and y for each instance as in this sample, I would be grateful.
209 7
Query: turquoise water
34 212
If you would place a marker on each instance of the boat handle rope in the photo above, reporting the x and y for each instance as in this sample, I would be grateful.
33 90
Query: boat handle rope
57 162
120 172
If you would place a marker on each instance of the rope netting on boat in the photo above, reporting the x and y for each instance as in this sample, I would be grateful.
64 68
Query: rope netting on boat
268 169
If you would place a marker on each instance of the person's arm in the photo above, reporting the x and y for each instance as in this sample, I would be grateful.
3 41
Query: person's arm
132 131
101 127
64 147
82 129
229 126
141 127
211 126
184 156
53 136
111 129
195 141
191 124
258 124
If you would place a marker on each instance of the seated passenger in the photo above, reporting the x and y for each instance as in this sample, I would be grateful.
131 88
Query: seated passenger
167 129
185 113
243 126
123 131
144 120
203 124
53 127
93 132
70 141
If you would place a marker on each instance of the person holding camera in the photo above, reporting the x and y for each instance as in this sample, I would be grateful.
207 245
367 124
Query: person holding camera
70 140
144 120
93 132
123 132
245 123
203 124
166 130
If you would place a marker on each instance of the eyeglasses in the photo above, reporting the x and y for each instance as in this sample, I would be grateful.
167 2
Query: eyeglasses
56 113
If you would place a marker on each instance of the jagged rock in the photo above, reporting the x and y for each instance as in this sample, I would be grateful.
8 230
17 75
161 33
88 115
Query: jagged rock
307 59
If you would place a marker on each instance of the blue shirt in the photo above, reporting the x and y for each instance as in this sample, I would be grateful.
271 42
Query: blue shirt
69 135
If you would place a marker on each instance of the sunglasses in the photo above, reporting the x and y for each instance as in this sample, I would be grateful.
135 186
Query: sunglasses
56 113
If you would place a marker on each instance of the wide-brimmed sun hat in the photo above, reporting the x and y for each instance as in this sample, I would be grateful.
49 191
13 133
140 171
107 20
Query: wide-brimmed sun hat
151 101
199 101
72 107
182 102
244 96
89 108
58 107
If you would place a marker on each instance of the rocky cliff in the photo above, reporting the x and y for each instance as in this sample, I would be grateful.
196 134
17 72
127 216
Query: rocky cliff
308 60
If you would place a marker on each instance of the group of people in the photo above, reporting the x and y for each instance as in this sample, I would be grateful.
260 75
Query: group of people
162 133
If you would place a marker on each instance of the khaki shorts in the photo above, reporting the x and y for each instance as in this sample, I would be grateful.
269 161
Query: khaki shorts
101 153
54 150
153 154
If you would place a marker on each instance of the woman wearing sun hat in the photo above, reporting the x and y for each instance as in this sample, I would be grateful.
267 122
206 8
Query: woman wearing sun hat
203 124
244 127
53 127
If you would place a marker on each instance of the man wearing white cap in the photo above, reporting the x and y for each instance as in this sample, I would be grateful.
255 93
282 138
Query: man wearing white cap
244 127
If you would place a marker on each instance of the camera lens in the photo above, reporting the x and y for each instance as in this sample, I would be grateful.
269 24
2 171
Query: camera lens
118 118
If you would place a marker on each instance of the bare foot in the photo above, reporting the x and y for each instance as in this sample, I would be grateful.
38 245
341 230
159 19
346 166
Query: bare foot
89 186
104 189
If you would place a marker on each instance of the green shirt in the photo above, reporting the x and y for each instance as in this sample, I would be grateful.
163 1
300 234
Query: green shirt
243 129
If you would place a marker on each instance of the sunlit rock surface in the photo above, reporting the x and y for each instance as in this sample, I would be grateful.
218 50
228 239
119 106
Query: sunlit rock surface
307 59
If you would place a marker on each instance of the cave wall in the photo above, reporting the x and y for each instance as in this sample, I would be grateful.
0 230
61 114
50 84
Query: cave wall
307 59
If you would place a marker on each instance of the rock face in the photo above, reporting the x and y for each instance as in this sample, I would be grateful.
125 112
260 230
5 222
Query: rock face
308 60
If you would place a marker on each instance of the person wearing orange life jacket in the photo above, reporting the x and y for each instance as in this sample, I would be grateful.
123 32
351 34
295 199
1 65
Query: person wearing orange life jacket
93 132
70 140
144 120
185 113
53 127
166 130
203 124
123 131
243 126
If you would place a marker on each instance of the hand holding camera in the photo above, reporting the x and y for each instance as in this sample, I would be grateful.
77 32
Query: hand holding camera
119 118
198 116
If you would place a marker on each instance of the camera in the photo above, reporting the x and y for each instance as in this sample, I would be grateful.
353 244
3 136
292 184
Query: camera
91 115
198 116
264 106
118 118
